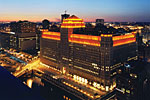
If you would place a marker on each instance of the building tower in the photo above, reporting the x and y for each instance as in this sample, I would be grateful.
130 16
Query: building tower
45 24
66 30
64 16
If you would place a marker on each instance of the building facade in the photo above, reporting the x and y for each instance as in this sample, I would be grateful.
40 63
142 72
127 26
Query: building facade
25 35
89 59
133 81
5 39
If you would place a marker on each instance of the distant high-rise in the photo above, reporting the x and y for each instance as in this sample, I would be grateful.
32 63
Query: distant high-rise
99 21
45 24
64 16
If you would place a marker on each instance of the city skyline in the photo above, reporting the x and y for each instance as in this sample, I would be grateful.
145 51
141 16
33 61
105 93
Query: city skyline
74 59
89 10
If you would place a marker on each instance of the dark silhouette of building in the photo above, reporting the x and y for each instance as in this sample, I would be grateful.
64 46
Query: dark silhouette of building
133 81
99 21
143 49
45 24
147 52
89 58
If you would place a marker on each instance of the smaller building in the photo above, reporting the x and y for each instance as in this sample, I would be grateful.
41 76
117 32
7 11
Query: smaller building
5 39
143 49
133 81
45 24
99 21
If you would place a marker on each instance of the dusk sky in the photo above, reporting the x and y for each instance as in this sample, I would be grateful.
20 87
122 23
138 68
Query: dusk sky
89 10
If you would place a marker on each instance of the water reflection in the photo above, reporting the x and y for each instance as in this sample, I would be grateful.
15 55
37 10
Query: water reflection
45 89
29 83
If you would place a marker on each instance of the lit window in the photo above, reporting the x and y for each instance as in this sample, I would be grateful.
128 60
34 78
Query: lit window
107 88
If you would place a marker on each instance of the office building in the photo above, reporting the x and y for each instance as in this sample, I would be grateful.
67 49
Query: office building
5 39
92 59
25 35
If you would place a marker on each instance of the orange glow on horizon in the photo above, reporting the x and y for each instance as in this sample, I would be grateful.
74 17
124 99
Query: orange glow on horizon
39 18
32 18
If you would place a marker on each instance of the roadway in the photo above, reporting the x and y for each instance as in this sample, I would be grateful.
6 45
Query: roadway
32 65
69 81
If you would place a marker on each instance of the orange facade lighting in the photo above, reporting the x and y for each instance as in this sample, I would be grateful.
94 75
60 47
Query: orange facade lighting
122 42
73 22
106 35
85 39
44 30
135 32
89 39
51 35
123 39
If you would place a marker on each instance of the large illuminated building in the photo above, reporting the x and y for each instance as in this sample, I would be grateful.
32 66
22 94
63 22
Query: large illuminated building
92 59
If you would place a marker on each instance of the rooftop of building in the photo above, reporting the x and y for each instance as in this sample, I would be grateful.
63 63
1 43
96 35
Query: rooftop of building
95 31
87 29
98 30
73 22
